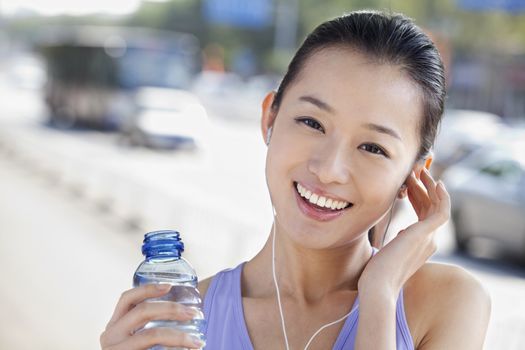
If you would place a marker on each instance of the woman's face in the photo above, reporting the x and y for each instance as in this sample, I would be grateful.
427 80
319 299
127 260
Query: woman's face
346 128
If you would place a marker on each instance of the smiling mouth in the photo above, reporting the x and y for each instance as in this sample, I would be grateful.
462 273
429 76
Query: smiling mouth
329 206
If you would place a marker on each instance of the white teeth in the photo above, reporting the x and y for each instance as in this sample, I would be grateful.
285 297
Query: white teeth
320 200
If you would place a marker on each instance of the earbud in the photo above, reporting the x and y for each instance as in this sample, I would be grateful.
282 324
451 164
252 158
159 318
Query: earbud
268 135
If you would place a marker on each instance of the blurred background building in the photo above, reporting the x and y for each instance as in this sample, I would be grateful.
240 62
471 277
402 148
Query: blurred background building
122 117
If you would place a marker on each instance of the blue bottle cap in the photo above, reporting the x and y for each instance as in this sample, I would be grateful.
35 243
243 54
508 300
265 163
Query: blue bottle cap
165 243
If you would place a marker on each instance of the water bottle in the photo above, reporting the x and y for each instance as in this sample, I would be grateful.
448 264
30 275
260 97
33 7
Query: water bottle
164 264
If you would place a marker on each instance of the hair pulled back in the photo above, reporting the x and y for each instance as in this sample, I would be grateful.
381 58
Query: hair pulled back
386 39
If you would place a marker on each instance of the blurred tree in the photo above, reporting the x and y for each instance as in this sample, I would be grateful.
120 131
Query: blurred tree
177 15
188 16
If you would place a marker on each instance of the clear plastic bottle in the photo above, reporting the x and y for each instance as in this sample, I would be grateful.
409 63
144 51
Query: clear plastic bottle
164 264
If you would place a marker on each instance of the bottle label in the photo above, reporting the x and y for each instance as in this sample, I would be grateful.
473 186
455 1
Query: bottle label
148 268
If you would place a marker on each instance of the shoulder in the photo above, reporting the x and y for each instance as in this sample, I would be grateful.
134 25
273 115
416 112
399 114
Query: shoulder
446 307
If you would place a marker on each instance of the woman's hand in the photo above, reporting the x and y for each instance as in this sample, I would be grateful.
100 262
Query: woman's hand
396 262
133 312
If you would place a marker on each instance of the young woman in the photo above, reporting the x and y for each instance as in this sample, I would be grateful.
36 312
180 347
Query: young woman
349 131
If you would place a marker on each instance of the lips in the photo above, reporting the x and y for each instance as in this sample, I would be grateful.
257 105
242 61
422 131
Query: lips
315 212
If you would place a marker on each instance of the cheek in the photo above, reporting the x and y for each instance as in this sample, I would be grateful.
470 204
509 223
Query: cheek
378 189
284 161
283 155
276 171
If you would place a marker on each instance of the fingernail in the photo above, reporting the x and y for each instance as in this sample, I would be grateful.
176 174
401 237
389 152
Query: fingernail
191 312
440 183
197 342
163 286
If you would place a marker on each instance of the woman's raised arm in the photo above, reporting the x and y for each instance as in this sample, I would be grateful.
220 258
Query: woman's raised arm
457 296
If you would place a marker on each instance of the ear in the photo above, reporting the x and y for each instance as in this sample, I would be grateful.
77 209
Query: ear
417 168
268 114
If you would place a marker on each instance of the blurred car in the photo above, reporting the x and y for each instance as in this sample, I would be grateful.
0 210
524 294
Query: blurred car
166 118
461 133
488 196
93 72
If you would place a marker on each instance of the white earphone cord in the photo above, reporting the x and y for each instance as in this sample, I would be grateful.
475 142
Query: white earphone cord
280 305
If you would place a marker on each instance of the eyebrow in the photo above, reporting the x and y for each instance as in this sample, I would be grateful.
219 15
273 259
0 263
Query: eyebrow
317 102
382 129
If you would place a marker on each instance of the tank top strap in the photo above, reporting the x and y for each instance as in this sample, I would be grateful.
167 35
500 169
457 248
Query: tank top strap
402 331
221 284
225 327
210 296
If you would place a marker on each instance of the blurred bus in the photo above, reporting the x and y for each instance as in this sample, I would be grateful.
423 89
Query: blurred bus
93 73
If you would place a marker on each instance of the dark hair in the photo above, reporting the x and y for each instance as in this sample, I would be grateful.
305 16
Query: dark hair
387 39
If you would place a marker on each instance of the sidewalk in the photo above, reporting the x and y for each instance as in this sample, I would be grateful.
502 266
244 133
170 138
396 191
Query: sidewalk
62 270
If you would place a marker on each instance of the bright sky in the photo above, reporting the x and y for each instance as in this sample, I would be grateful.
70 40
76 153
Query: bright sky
72 7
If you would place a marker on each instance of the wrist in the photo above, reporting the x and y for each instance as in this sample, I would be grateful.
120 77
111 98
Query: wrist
384 297
379 290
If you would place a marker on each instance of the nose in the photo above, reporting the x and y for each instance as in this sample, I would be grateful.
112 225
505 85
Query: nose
331 164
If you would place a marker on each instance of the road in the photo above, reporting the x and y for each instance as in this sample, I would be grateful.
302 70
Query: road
74 207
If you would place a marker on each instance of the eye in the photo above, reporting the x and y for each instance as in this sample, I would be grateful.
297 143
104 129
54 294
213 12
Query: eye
312 123
373 148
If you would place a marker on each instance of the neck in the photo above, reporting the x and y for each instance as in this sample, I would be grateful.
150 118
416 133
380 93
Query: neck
307 274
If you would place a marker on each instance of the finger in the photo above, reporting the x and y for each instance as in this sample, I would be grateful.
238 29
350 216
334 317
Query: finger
430 185
414 188
418 196
134 296
441 214
160 336
445 203
149 311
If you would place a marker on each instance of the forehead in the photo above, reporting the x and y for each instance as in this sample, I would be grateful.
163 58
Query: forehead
359 89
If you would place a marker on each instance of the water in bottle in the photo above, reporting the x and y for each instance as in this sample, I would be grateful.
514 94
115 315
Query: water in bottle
164 264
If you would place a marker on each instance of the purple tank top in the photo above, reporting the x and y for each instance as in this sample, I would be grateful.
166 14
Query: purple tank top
226 328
